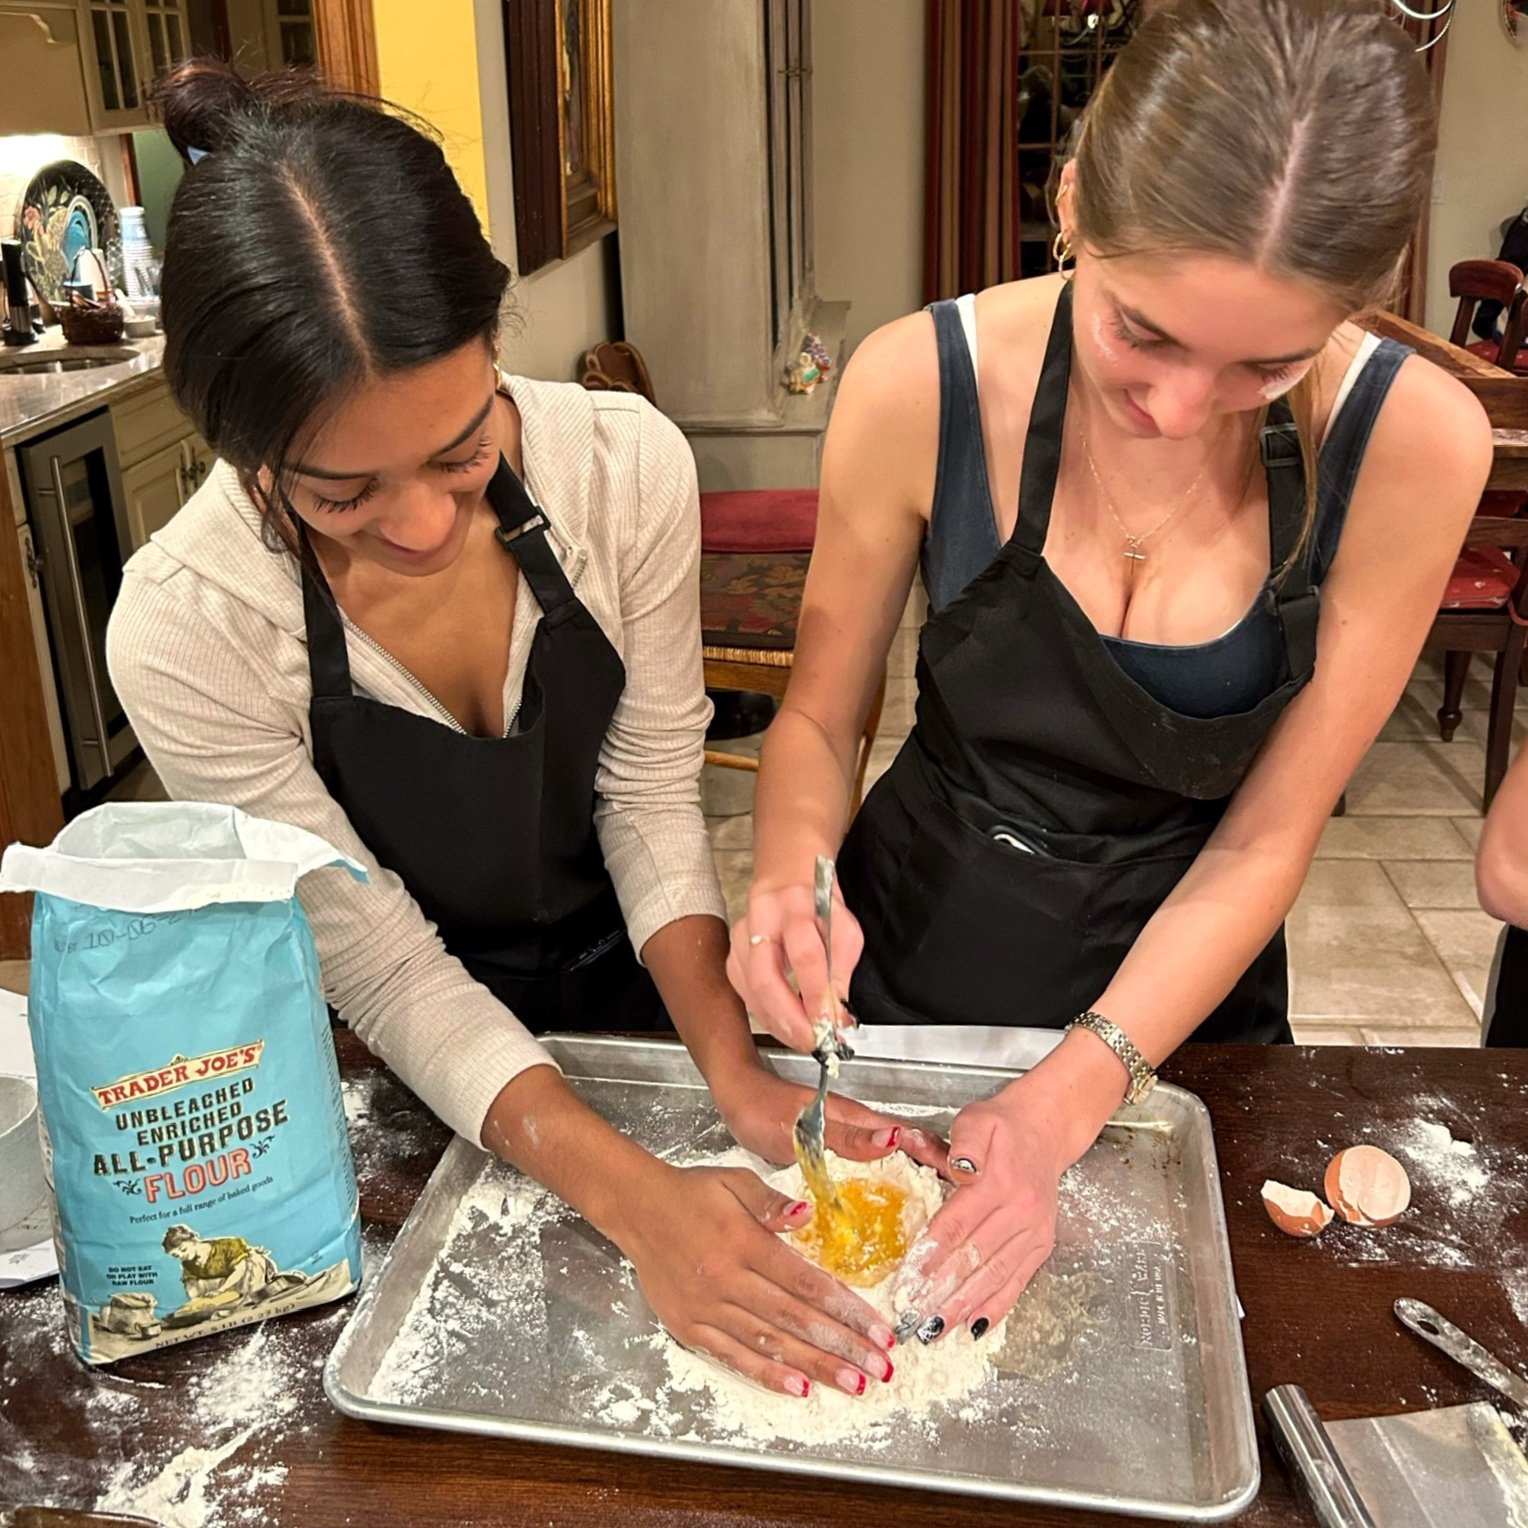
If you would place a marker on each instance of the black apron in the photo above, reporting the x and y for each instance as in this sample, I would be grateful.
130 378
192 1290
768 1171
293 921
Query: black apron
1045 805
494 837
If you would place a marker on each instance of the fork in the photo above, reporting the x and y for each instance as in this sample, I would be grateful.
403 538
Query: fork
828 1051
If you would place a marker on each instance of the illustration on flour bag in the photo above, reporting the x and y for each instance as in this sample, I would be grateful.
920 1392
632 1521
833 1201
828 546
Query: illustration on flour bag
190 1099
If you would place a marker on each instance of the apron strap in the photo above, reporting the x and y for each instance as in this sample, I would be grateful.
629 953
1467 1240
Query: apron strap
328 662
1042 443
522 533
1296 602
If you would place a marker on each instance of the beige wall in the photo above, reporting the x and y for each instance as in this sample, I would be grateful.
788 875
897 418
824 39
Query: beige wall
564 308
868 89
1482 150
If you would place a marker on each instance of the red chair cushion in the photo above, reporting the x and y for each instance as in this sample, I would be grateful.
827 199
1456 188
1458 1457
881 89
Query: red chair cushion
1502 502
1488 350
759 520
1483 579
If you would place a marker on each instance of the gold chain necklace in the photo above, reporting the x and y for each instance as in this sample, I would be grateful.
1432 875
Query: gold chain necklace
1133 543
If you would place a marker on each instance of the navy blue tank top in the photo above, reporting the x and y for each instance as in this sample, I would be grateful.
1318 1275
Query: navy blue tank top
1225 676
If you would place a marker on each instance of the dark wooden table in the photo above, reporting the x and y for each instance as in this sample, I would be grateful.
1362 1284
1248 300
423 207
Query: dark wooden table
1503 395
1317 1314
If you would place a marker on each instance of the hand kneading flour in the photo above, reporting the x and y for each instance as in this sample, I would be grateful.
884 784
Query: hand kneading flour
947 1370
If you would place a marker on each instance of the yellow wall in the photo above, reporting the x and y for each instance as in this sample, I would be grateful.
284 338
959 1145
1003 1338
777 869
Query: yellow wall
427 56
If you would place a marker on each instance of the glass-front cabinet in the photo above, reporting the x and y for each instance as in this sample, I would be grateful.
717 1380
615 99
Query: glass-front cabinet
128 44
165 24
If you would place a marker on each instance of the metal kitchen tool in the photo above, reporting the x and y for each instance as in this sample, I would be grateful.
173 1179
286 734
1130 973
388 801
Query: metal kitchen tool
1135 1403
829 1050
1463 1349
1424 1469
69 1517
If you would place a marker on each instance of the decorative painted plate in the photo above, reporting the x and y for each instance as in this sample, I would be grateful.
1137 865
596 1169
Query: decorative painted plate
64 210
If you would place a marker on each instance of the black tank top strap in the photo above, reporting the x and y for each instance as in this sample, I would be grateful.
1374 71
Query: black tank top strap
1347 439
962 536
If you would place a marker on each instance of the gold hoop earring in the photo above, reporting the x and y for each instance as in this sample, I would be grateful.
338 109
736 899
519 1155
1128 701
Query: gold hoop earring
1061 253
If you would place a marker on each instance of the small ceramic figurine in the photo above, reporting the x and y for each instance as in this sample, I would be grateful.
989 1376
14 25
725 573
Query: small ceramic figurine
803 375
815 348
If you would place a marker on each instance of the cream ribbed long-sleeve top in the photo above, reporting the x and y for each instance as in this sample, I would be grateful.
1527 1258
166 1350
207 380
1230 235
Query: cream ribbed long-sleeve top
208 655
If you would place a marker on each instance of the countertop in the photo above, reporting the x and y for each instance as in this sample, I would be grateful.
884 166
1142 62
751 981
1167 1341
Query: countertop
1318 1314
31 403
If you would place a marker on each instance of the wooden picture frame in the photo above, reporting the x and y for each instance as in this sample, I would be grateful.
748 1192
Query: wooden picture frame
561 126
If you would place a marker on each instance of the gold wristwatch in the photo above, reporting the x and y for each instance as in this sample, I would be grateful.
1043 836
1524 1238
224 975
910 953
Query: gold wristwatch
1142 1078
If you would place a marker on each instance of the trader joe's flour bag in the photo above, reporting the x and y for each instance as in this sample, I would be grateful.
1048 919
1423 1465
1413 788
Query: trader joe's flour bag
187 1076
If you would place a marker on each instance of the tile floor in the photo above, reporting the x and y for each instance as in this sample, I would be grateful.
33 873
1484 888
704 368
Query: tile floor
1387 943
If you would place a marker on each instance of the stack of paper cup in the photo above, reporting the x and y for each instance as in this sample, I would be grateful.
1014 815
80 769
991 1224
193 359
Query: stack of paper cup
139 269
22 1185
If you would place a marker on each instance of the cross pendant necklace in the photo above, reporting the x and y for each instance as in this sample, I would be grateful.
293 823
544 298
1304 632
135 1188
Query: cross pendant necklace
1134 544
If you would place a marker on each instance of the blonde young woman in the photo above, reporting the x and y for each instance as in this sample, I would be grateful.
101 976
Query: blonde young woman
1183 527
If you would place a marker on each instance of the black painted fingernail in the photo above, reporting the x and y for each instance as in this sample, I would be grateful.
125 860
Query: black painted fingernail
964 1165
979 1326
930 1329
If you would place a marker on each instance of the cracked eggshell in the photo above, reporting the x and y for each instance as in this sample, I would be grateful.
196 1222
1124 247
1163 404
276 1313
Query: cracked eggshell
1295 1211
1367 1186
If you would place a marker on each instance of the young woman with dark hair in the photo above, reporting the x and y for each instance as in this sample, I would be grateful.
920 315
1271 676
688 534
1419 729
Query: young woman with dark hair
448 619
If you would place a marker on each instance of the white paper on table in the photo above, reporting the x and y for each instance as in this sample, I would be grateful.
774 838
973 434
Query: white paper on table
26 1248
16 1058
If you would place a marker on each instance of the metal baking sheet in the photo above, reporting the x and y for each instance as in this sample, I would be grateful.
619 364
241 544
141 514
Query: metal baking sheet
1144 1407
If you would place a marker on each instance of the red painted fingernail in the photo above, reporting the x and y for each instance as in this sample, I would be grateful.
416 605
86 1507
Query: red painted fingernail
886 1377
850 1381
883 1336
797 1386
798 1208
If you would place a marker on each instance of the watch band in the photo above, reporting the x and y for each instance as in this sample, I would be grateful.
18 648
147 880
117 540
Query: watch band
1142 1078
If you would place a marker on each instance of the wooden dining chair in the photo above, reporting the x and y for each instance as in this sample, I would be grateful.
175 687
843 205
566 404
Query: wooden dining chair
755 545
1485 610
1475 281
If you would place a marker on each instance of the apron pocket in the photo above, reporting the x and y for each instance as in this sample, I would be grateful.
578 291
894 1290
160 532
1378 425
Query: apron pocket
989 924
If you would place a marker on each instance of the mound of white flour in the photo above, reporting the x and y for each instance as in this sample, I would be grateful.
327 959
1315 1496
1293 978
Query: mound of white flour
945 1371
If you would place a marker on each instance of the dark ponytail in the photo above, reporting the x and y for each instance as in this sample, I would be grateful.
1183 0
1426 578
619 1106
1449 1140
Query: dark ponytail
323 241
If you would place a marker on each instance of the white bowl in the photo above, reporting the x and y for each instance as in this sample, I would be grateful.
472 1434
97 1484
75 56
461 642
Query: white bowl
22 1185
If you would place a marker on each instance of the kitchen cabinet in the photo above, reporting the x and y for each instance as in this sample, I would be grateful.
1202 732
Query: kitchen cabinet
44 70
164 461
199 459
86 66
155 489
127 44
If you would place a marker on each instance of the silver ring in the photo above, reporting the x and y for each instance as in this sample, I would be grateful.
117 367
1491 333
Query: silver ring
964 1164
